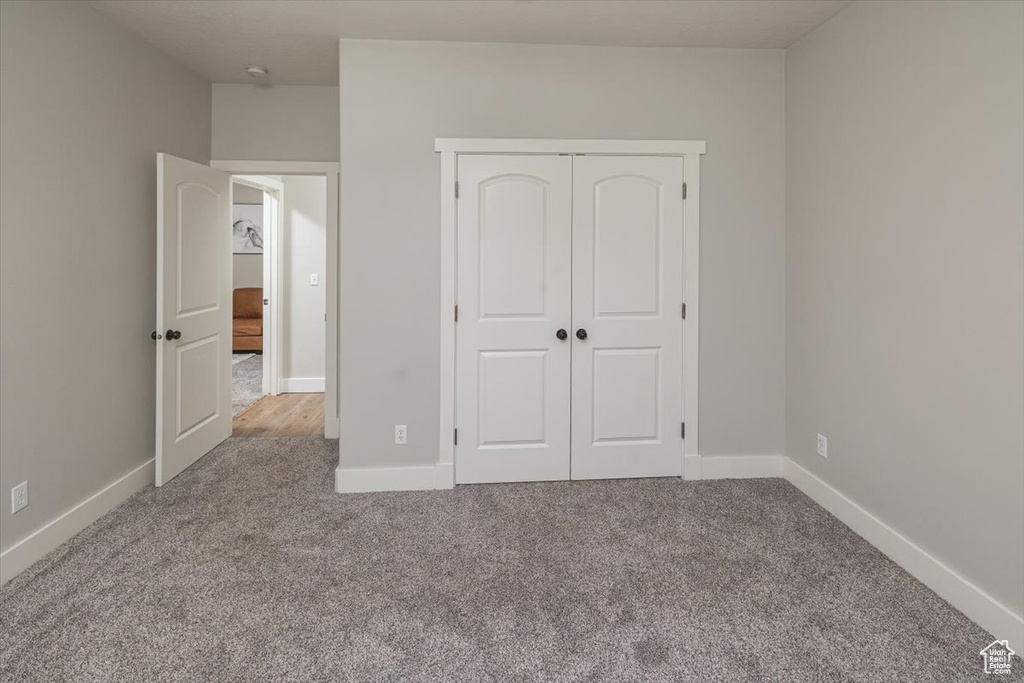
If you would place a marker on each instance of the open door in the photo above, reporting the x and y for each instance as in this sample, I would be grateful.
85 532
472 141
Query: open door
193 313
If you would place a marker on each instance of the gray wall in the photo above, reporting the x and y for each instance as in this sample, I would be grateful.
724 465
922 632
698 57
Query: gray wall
304 244
905 270
396 97
247 270
85 107
275 122
243 194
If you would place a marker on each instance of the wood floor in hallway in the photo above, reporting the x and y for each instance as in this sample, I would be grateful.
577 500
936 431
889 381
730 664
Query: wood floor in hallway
282 415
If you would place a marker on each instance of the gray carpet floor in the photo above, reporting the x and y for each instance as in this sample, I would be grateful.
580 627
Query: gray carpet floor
246 383
248 567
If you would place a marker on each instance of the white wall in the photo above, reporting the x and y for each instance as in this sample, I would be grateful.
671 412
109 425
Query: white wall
905 169
396 97
303 305
85 107
275 122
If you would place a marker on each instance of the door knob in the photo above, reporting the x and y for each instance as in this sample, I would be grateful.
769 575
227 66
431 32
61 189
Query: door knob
173 334
562 334
156 335
581 334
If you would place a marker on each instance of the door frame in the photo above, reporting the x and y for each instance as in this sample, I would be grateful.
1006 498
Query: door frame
690 150
273 206
331 170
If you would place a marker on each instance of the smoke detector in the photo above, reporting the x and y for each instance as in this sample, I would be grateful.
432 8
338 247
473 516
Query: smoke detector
257 71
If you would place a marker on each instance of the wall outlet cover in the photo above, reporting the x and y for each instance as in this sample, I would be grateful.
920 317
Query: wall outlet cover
401 435
19 497
822 446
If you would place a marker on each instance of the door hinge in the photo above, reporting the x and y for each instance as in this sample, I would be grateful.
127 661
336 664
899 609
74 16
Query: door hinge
684 311
456 189
682 429
684 190
456 313
456 437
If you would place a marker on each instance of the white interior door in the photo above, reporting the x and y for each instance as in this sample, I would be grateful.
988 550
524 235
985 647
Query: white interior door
193 369
627 373
514 295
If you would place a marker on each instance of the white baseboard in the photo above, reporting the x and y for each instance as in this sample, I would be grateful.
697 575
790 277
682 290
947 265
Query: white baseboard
332 428
37 545
302 385
980 607
692 467
418 478
696 467
741 466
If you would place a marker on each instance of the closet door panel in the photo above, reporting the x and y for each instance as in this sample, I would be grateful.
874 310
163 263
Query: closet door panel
627 295
514 294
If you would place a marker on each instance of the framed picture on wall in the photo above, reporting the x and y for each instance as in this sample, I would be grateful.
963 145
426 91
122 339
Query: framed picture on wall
247 229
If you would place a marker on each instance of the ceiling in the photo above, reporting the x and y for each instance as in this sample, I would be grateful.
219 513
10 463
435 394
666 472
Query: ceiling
297 39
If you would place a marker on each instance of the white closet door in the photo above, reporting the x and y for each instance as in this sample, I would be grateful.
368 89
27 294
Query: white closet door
627 243
514 294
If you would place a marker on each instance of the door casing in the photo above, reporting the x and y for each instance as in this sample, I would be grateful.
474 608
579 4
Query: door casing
451 149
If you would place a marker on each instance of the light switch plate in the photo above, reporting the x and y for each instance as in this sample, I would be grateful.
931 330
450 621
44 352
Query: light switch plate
314 279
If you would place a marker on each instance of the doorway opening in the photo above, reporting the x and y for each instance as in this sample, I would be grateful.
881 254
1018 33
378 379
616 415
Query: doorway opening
279 305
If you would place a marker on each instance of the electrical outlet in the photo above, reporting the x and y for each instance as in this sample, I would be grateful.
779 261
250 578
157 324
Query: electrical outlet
401 435
822 446
19 497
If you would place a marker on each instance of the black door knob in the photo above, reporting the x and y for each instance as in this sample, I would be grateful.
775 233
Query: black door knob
562 334
581 334
173 334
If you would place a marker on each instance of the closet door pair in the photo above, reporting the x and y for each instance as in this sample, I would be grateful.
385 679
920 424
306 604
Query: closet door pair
569 333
